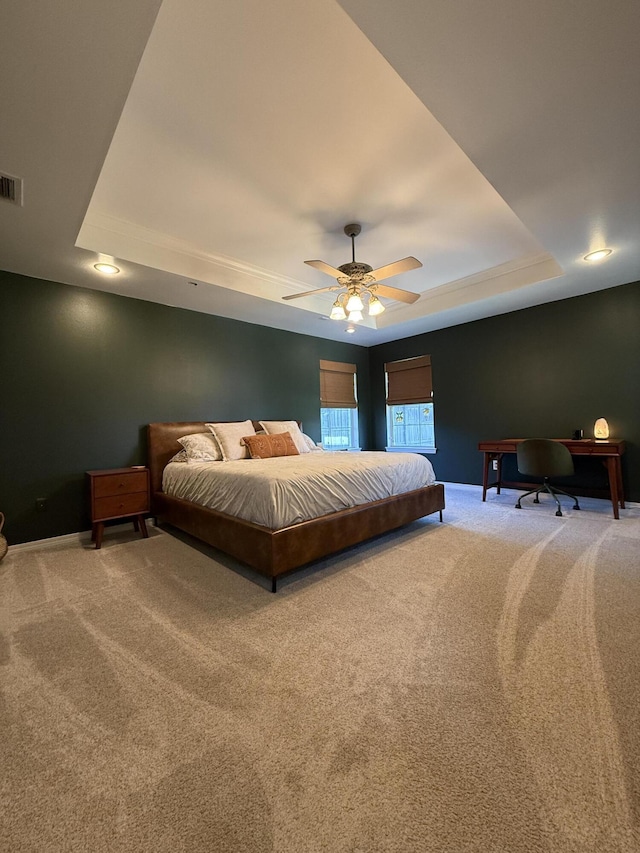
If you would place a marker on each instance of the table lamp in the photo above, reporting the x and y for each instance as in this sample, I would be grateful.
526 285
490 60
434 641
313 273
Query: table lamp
601 430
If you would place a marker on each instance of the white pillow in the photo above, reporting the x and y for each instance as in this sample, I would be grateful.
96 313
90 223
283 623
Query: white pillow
201 447
229 437
275 427
181 456
313 447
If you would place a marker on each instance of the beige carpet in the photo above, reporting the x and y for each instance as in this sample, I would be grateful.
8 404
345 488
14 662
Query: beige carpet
466 686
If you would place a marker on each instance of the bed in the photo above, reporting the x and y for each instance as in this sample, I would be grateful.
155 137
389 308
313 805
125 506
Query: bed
275 551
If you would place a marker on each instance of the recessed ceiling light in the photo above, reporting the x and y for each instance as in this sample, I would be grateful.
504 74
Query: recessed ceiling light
350 330
107 269
597 255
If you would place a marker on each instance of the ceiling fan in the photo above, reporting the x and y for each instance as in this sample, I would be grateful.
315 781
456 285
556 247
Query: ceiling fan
358 280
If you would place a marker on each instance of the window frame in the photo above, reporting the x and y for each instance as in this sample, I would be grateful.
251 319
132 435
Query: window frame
354 429
408 448
412 378
339 393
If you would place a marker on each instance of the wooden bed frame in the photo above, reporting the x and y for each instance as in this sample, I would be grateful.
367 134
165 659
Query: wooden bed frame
274 552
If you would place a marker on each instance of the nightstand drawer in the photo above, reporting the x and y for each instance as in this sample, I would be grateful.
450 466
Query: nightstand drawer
115 506
118 484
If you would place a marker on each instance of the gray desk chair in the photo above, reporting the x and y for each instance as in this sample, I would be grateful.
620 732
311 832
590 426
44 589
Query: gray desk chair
543 457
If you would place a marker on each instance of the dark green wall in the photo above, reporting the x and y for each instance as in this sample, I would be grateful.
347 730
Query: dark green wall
542 372
83 372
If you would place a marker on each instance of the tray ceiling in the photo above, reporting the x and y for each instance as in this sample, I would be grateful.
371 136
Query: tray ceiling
236 140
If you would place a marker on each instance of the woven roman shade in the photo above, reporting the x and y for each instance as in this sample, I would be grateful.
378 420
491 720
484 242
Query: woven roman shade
409 381
337 385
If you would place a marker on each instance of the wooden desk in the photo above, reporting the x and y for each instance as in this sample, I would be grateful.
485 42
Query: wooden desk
609 452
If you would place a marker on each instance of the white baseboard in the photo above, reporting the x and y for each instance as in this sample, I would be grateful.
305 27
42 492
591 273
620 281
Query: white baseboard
84 536
470 486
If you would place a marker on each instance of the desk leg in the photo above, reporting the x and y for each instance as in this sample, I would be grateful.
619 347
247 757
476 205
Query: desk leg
620 485
485 475
612 470
499 471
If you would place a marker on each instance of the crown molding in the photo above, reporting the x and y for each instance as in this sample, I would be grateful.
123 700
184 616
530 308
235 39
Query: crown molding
512 275
112 235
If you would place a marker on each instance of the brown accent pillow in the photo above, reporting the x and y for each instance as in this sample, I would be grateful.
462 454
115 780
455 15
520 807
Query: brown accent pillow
266 446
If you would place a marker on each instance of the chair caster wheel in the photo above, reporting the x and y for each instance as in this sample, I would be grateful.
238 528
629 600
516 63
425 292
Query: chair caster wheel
576 506
518 506
559 513
536 500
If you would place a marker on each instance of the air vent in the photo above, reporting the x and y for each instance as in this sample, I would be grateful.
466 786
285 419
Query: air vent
11 189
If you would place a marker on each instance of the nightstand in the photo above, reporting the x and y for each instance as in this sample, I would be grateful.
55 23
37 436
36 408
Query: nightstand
118 493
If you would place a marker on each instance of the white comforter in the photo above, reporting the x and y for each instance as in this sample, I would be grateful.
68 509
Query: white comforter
287 489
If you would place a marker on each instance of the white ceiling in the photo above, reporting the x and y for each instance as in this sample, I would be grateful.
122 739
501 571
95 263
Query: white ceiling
225 143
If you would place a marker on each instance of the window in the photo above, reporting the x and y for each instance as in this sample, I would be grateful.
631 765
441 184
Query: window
338 406
339 429
411 426
410 416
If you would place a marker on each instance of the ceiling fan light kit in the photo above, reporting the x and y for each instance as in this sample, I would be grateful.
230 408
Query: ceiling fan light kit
375 306
354 303
358 281
338 312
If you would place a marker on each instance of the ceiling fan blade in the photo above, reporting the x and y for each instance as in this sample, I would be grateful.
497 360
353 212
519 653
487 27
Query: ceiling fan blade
311 292
326 268
395 293
397 267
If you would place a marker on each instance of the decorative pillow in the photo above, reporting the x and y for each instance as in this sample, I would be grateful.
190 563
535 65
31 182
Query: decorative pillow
310 442
266 446
201 447
181 456
229 437
276 427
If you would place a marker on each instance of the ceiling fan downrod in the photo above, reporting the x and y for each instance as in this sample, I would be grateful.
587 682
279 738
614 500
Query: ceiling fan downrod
352 231
354 270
